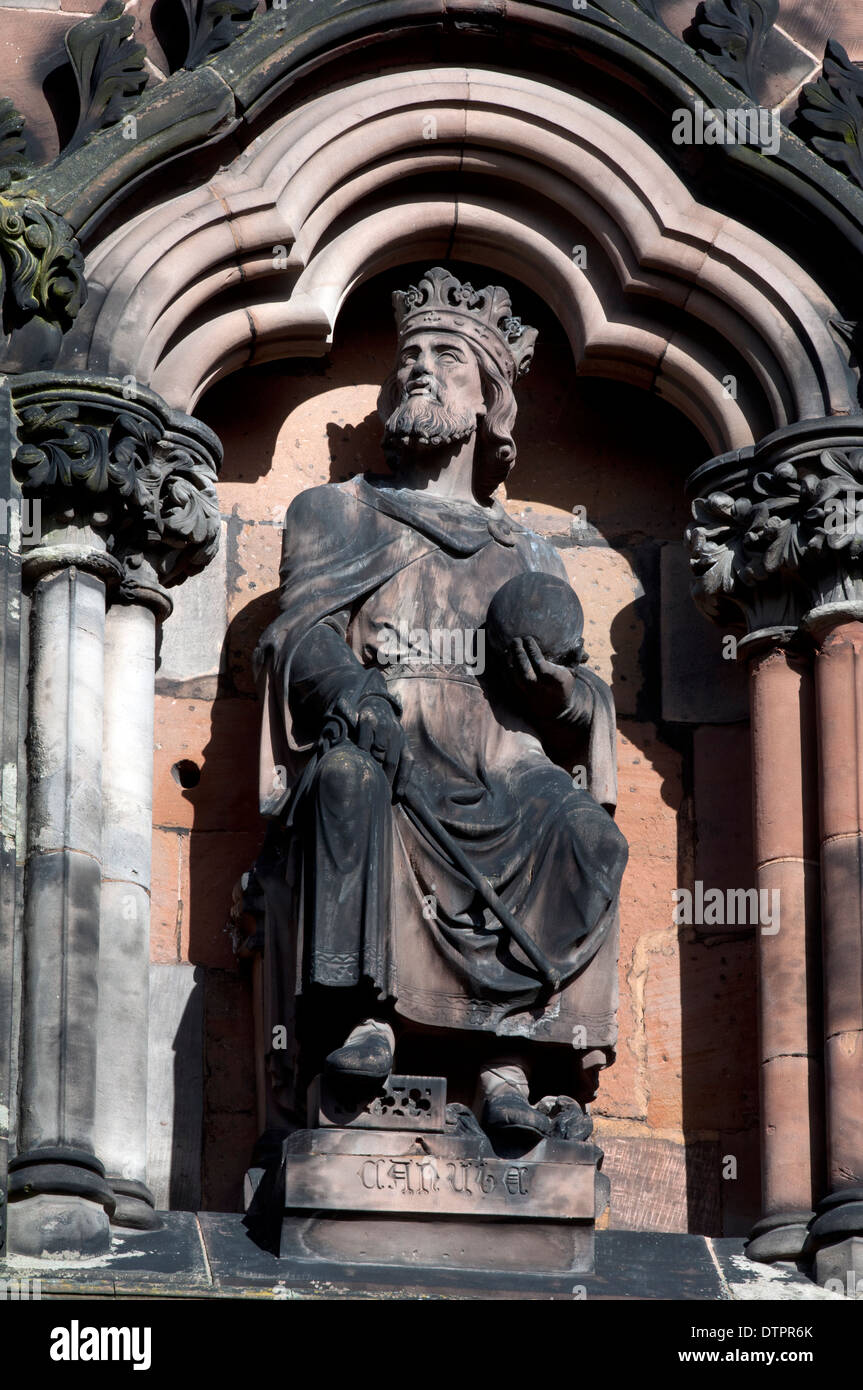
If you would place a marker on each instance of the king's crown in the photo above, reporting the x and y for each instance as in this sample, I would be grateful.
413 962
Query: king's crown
484 316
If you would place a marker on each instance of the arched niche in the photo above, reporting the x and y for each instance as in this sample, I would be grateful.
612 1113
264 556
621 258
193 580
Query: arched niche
652 286
291 423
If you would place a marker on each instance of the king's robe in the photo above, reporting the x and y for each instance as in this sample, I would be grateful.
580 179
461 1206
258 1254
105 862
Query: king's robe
370 896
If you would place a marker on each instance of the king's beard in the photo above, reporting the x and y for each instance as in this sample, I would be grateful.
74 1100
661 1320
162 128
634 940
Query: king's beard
419 424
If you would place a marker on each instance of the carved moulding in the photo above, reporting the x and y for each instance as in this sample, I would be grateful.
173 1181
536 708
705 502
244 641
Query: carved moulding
250 61
118 457
777 531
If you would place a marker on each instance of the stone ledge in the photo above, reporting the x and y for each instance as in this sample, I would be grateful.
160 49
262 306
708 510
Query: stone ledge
211 1256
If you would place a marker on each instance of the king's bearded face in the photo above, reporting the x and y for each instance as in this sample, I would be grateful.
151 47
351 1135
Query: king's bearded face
441 393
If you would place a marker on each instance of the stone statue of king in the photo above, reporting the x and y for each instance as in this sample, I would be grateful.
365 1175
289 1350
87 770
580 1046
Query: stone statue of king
438 762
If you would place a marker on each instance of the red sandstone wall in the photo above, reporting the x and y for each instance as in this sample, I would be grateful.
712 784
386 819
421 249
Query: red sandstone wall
683 1094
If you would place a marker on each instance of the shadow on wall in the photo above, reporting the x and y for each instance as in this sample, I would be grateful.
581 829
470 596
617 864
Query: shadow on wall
185 1183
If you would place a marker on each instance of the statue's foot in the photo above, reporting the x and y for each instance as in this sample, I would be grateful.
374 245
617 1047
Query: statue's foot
511 1114
367 1055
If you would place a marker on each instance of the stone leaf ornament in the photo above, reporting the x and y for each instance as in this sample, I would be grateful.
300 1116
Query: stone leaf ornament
159 496
800 527
108 67
833 105
41 267
213 25
731 36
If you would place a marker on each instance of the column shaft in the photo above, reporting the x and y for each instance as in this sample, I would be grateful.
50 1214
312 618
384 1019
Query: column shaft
124 947
56 1162
786 861
839 676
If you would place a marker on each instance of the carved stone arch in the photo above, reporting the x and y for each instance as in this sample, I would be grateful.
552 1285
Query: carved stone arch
255 264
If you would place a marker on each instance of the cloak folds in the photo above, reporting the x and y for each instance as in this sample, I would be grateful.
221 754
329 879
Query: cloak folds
357 557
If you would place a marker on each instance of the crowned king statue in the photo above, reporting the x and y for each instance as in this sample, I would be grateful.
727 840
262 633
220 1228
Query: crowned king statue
438 762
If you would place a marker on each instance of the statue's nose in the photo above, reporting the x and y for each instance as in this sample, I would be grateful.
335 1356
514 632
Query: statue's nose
421 375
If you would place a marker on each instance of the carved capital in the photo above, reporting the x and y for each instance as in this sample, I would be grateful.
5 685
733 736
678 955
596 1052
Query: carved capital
127 464
777 529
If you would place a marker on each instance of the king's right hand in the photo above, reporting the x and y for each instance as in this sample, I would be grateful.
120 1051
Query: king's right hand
380 733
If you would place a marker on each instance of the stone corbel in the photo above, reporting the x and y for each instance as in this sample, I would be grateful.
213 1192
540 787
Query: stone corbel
777 546
128 505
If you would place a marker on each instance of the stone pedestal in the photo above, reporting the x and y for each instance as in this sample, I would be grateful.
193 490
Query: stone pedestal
388 1190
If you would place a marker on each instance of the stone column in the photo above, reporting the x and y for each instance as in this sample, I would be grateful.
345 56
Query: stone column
785 826
776 542
127 467
59 1199
836 1236
124 949
10 735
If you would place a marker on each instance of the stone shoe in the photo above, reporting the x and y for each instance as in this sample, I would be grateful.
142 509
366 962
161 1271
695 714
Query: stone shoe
367 1055
507 1112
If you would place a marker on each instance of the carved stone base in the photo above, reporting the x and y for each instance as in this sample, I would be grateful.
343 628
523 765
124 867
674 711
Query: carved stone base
781 1236
58 1225
836 1238
414 1198
134 1205
470 1245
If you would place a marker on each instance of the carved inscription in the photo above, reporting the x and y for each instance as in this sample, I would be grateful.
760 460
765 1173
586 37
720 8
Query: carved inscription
431 1182
415 1177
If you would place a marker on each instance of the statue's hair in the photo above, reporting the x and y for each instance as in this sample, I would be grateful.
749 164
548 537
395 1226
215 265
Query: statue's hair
495 447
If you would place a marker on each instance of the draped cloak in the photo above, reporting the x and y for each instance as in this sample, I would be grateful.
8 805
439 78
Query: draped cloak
363 557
